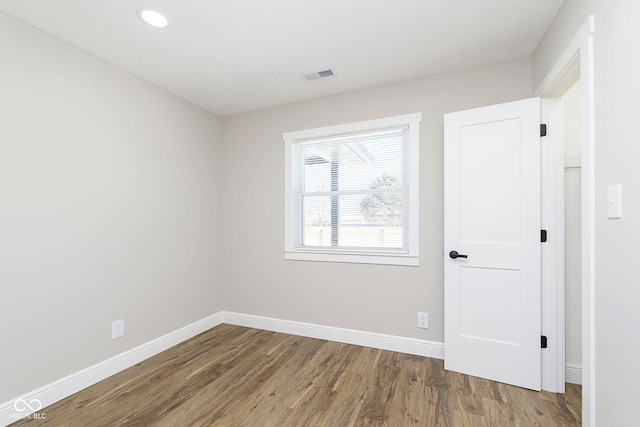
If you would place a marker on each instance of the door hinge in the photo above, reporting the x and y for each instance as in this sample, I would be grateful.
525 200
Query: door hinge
543 236
543 341
543 130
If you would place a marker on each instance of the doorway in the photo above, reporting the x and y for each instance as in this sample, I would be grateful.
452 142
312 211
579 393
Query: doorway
572 234
575 64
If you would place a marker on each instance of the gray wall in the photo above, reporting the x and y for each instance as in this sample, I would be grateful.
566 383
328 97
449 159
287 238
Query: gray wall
383 299
617 155
109 209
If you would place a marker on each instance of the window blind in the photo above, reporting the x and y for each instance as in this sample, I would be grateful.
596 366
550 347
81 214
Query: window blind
352 191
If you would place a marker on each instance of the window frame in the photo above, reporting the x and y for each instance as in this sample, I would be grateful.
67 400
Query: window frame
374 256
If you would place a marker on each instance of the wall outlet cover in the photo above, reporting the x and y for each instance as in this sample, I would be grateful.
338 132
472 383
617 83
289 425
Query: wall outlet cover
117 329
423 320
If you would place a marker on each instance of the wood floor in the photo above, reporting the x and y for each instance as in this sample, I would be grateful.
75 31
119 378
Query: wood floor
234 376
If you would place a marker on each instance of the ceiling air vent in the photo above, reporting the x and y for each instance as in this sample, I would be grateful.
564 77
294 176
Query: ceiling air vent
316 75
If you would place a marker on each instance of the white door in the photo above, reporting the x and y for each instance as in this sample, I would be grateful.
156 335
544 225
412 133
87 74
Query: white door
492 220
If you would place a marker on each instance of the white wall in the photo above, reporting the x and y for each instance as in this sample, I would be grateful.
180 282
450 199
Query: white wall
572 226
617 155
109 209
383 299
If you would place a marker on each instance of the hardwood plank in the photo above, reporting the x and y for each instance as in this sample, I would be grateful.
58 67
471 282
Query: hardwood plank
234 376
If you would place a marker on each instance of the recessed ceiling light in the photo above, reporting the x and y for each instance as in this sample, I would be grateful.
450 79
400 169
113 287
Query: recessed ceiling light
152 17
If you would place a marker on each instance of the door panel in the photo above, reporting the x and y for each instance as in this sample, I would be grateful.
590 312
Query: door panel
492 215
490 209
481 315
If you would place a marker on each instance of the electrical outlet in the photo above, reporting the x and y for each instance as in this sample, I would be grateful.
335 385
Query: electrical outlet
423 320
117 329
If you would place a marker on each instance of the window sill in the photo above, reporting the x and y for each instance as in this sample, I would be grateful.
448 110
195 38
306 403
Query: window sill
357 258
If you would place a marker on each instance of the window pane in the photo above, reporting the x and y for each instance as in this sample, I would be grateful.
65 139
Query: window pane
317 172
353 162
371 221
353 191
365 161
364 221
317 221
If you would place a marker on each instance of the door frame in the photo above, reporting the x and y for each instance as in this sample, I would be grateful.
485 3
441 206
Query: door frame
576 60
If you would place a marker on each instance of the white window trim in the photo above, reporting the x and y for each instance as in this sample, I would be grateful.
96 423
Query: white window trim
410 258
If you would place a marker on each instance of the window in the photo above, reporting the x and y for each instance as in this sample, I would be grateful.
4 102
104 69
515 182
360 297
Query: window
351 192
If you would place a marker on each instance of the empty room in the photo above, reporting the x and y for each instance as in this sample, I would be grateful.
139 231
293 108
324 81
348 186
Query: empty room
292 213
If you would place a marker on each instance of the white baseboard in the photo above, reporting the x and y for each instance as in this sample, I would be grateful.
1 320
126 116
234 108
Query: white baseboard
34 403
30 404
573 373
348 336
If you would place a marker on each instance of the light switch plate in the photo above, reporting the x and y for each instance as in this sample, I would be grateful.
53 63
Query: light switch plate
614 202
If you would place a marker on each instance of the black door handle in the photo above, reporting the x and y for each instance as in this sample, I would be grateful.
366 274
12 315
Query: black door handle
455 254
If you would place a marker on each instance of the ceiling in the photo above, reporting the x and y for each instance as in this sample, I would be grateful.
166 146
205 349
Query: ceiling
233 56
